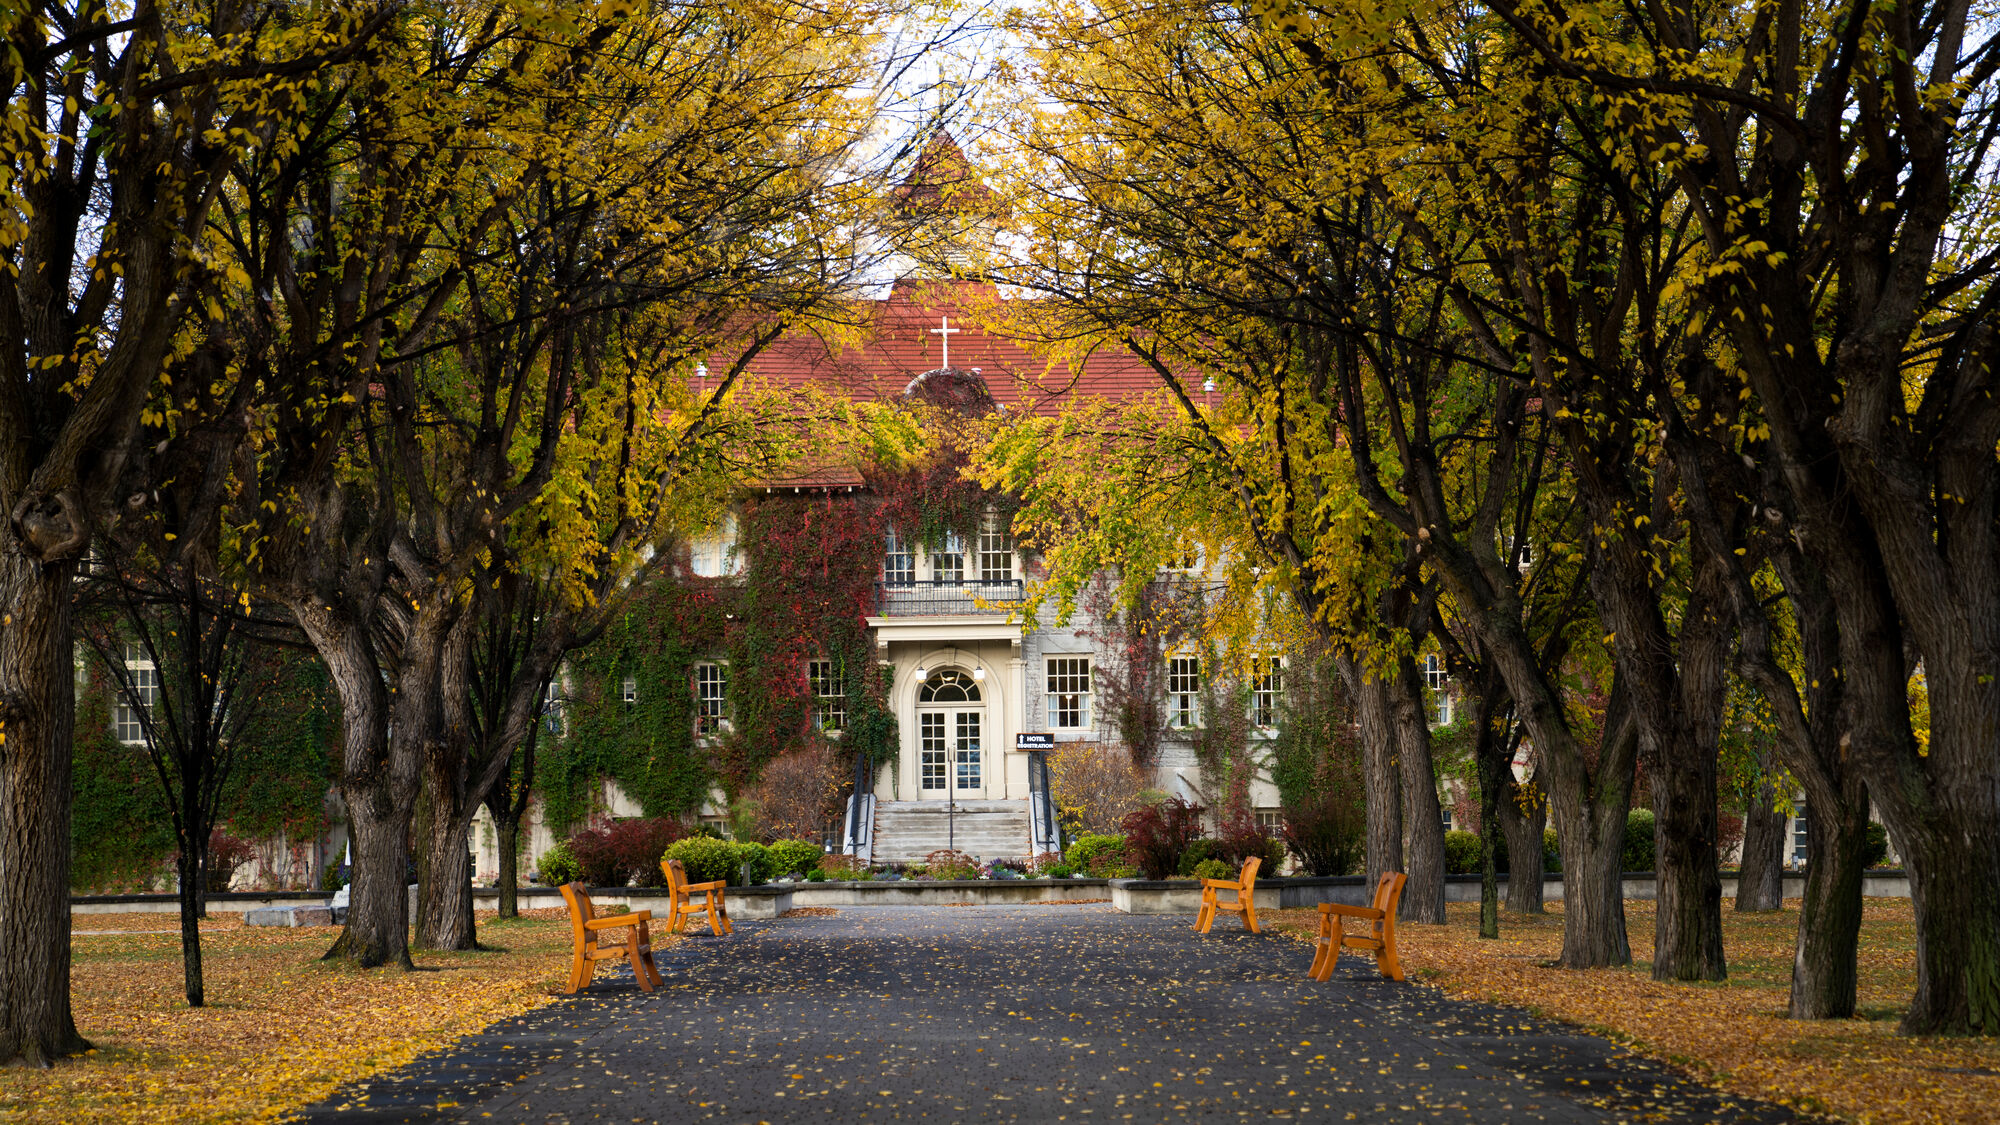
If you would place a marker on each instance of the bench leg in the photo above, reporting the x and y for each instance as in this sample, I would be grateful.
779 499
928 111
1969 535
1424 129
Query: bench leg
580 969
1249 911
677 912
1386 962
1206 917
637 959
1326 951
722 911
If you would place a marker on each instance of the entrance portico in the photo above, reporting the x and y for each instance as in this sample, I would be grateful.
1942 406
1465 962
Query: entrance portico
957 707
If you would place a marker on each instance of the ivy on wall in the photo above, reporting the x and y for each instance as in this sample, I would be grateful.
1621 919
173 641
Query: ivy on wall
121 835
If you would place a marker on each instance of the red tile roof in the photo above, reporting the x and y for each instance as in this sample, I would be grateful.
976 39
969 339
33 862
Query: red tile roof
901 342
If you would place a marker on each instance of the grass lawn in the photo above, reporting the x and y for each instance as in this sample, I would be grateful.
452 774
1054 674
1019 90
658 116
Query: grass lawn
280 1030
1733 1033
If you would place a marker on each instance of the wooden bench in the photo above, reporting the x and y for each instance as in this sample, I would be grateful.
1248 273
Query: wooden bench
587 930
680 900
1381 939
1245 886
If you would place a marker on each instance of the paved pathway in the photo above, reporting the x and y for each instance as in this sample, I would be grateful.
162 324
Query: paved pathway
1033 1013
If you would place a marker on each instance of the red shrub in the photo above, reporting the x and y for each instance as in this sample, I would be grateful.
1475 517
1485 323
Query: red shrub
614 853
1156 835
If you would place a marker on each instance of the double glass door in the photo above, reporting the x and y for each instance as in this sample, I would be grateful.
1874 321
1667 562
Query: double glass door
950 754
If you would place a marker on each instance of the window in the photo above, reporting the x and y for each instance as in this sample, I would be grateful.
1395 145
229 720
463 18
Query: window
1799 837
899 562
1271 821
127 720
948 565
711 688
996 550
1437 677
949 686
1267 687
552 707
1184 692
1435 674
713 553
829 692
1527 559
630 691
1068 692
1444 815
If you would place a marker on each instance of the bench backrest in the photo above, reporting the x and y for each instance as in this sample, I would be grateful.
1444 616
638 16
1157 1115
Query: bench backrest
577 897
677 876
1388 895
1249 876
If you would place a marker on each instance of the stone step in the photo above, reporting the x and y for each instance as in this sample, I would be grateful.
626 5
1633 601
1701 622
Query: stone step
908 831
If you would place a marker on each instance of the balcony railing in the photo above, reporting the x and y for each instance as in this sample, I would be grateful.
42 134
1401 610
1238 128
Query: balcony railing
946 599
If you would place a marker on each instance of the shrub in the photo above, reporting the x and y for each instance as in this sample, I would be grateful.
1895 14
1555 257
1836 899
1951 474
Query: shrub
797 793
1638 853
757 858
1240 843
842 866
1197 853
1046 863
1876 851
816 876
1060 871
558 866
795 857
1327 832
1156 835
705 858
226 853
1462 854
1552 856
945 863
1089 846
615 853
1211 869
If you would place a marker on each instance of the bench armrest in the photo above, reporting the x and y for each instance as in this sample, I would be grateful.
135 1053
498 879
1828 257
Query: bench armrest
1368 912
1222 884
714 886
619 921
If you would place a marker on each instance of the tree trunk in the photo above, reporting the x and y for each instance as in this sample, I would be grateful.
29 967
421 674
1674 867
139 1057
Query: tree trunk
378 902
1823 970
192 871
37 721
508 830
1524 833
1423 820
1489 753
1590 830
1378 766
1951 860
444 900
1760 879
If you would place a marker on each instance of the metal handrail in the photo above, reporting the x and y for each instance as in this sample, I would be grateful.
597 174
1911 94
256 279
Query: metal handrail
864 785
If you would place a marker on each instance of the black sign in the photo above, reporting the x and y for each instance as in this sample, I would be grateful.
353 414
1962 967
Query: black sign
1043 741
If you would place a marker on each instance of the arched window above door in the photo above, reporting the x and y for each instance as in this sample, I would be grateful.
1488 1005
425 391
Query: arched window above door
949 685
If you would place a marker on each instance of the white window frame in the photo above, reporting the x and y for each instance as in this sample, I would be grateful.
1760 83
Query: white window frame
712 554
899 560
553 719
711 708
1067 690
996 550
1184 692
628 692
948 563
828 689
128 722
1267 690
